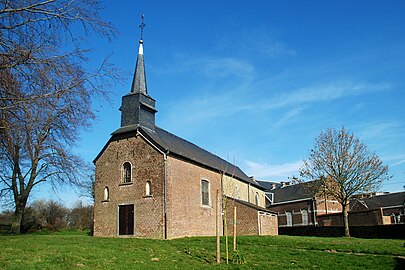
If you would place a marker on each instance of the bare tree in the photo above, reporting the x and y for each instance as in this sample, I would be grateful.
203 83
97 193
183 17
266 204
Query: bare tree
344 167
81 216
49 214
45 93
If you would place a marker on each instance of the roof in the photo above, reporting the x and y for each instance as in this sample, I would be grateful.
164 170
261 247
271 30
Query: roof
139 80
251 205
386 200
268 185
293 192
176 146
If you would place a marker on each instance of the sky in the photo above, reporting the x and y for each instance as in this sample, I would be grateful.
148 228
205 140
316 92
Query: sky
255 82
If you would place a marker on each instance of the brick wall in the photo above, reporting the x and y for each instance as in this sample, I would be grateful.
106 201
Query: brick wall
147 165
363 218
186 216
331 206
268 224
394 231
243 191
249 220
295 209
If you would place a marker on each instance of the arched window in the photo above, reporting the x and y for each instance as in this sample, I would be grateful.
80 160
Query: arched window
205 192
106 195
127 172
148 190
257 198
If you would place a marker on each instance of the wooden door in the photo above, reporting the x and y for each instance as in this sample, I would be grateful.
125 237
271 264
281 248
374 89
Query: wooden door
126 219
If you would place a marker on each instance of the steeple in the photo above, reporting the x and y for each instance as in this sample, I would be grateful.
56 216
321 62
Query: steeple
138 108
139 80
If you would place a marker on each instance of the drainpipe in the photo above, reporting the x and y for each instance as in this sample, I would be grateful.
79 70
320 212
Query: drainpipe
165 194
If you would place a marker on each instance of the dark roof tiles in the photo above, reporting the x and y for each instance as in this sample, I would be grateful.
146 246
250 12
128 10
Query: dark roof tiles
175 145
386 200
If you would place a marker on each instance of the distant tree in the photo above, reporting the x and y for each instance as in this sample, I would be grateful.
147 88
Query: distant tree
344 167
45 93
6 217
81 216
49 214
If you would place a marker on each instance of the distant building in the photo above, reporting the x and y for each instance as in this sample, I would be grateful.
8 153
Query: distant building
390 207
301 205
152 183
297 204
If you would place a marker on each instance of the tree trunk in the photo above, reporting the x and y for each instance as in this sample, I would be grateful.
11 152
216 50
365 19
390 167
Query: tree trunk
17 219
346 219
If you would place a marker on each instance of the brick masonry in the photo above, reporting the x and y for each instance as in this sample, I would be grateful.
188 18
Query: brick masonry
147 165
295 208
185 213
249 221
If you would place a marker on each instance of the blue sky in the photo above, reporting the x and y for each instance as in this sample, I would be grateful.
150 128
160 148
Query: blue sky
255 82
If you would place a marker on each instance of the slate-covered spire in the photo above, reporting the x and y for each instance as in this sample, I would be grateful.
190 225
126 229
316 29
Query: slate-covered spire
138 108
139 81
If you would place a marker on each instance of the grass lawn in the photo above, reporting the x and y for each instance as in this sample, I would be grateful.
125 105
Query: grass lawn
74 250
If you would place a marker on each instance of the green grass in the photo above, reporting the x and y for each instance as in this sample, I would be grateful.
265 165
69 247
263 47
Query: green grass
75 250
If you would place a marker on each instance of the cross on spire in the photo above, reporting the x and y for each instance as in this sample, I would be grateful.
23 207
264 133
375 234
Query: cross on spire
142 26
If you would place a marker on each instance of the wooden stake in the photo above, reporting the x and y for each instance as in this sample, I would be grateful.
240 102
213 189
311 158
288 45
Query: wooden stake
234 228
218 226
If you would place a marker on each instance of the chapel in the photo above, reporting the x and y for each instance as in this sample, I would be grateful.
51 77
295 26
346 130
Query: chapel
151 183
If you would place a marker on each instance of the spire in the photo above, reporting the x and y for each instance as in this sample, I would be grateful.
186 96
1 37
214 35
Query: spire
138 108
139 80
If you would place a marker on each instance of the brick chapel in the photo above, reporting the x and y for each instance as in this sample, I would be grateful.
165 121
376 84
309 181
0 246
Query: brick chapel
151 183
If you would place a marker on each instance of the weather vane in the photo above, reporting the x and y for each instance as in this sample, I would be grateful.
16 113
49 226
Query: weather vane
142 26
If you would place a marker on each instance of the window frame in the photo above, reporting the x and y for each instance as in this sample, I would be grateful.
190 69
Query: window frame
124 173
106 194
289 217
257 199
208 193
148 189
306 220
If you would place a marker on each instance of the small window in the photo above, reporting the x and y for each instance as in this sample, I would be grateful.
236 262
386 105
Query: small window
106 195
148 190
288 216
304 214
127 172
257 198
205 192
236 192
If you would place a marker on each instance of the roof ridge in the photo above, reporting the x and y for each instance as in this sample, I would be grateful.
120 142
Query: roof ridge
197 146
